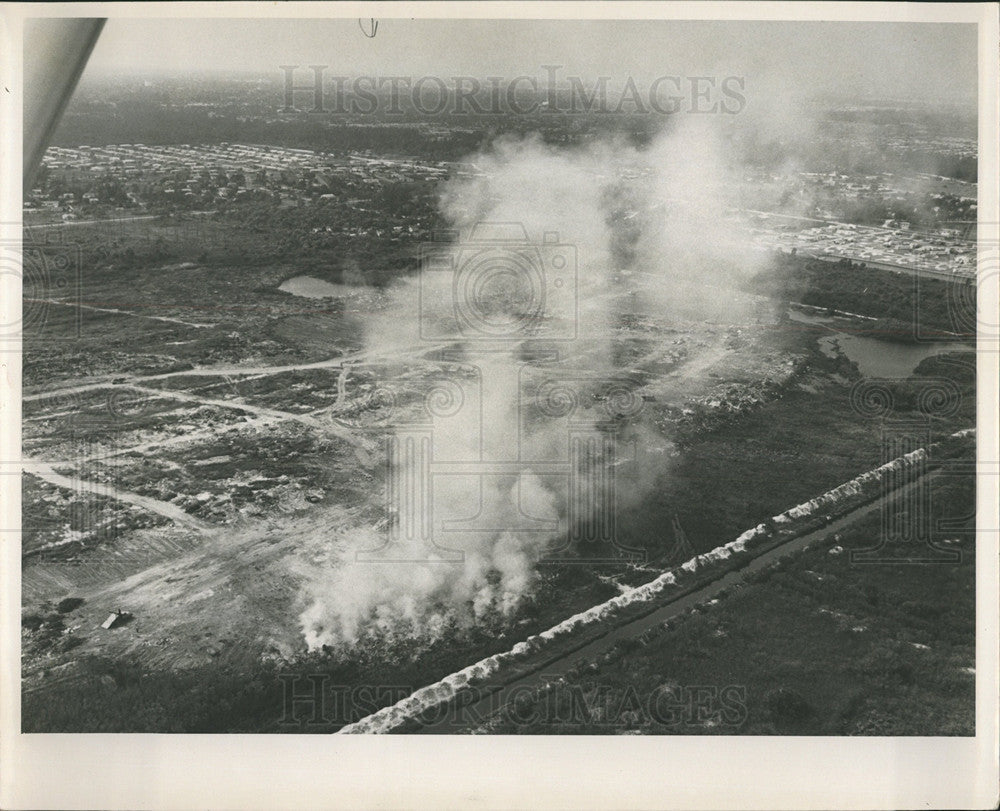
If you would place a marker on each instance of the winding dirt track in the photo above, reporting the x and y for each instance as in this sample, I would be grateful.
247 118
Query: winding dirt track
44 470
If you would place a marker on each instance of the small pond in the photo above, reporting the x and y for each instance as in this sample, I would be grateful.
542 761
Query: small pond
877 358
311 287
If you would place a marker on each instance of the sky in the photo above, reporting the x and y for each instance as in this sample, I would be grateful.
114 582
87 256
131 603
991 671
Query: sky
928 60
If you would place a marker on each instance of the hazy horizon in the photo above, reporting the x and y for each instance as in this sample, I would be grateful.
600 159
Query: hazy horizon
934 61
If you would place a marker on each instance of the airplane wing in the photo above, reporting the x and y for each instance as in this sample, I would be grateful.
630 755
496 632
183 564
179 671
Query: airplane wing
55 54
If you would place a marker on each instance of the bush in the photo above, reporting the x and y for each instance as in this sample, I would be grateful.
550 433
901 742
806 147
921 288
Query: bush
69 604
32 622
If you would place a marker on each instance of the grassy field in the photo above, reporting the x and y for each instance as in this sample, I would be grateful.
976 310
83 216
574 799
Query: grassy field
814 645
733 471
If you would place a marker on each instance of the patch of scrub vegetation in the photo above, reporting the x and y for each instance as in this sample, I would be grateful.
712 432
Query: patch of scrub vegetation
100 694
814 645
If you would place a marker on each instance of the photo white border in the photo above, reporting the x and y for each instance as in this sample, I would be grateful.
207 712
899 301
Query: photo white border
572 772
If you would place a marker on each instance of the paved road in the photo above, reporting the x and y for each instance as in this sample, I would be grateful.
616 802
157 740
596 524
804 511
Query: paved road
113 220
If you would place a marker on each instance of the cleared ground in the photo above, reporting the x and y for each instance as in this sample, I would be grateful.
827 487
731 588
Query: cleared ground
197 476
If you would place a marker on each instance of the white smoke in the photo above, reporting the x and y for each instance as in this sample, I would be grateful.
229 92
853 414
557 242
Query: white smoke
433 695
659 211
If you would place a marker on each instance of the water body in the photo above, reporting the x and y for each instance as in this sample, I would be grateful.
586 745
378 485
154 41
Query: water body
311 287
877 358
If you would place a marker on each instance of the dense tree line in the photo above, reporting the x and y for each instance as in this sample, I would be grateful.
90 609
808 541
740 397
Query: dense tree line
899 301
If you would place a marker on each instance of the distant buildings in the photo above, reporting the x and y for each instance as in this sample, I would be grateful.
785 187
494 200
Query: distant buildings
893 243
200 174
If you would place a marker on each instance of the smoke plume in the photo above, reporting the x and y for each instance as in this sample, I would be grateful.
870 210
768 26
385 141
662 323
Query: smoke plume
517 412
